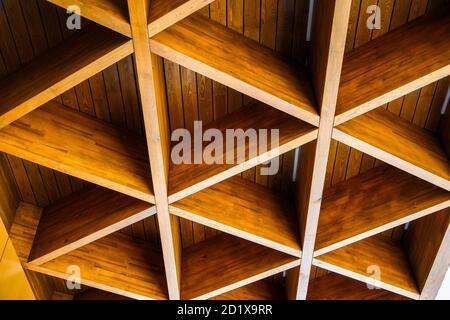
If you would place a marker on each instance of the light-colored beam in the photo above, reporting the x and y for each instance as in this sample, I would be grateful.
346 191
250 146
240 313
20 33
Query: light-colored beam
151 88
331 21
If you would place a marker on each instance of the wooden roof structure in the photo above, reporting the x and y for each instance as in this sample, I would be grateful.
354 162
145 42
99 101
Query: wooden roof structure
85 125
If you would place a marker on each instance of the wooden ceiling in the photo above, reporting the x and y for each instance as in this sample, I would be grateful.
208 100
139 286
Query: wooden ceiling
76 127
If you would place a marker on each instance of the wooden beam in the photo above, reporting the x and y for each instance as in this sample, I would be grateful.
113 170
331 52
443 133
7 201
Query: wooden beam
82 146
394 65
378 260
427 243
58 70
152 91
224 263
260 290
197 43
394 140
186 179
82 218
327 55
373 202
164 14
244 209
115 263
336 287
112 14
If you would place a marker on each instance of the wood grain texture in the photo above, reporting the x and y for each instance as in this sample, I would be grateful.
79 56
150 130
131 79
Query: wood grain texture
24 229
197 43
393 65
115 263
427 243
260 290
244 209
399 143
185 179
58 70
96 295
224 263
152 92
327 53
112 14
164 14
82 146
82 218
363 259
336 287
375 201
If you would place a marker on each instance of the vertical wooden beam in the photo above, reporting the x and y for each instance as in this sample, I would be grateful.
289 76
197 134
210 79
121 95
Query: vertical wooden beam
326 56
151 87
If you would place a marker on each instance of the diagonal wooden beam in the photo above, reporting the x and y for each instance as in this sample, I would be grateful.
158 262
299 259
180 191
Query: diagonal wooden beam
112 14
151 87
165 13
59 70
327 55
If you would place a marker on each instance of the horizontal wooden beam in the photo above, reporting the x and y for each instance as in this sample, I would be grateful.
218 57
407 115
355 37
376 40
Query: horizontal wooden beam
373 202
394 140
164 14
394 65
82 218
224 263
244 209
112 14
186 179
82 146
59 70
337 287
378 260
198 43
115 263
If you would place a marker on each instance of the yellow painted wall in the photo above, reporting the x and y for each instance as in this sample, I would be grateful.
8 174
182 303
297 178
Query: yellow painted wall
14 284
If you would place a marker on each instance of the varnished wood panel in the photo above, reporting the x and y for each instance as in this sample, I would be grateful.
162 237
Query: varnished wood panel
112 14
115 263
246 210
245 66
378 260
82 218
59 70
396 141
336 287
427 245
395 64
77 144
164 13
372 202
224 263
184 179
260 290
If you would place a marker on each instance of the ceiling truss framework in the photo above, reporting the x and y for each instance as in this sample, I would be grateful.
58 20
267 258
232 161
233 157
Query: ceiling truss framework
263 234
